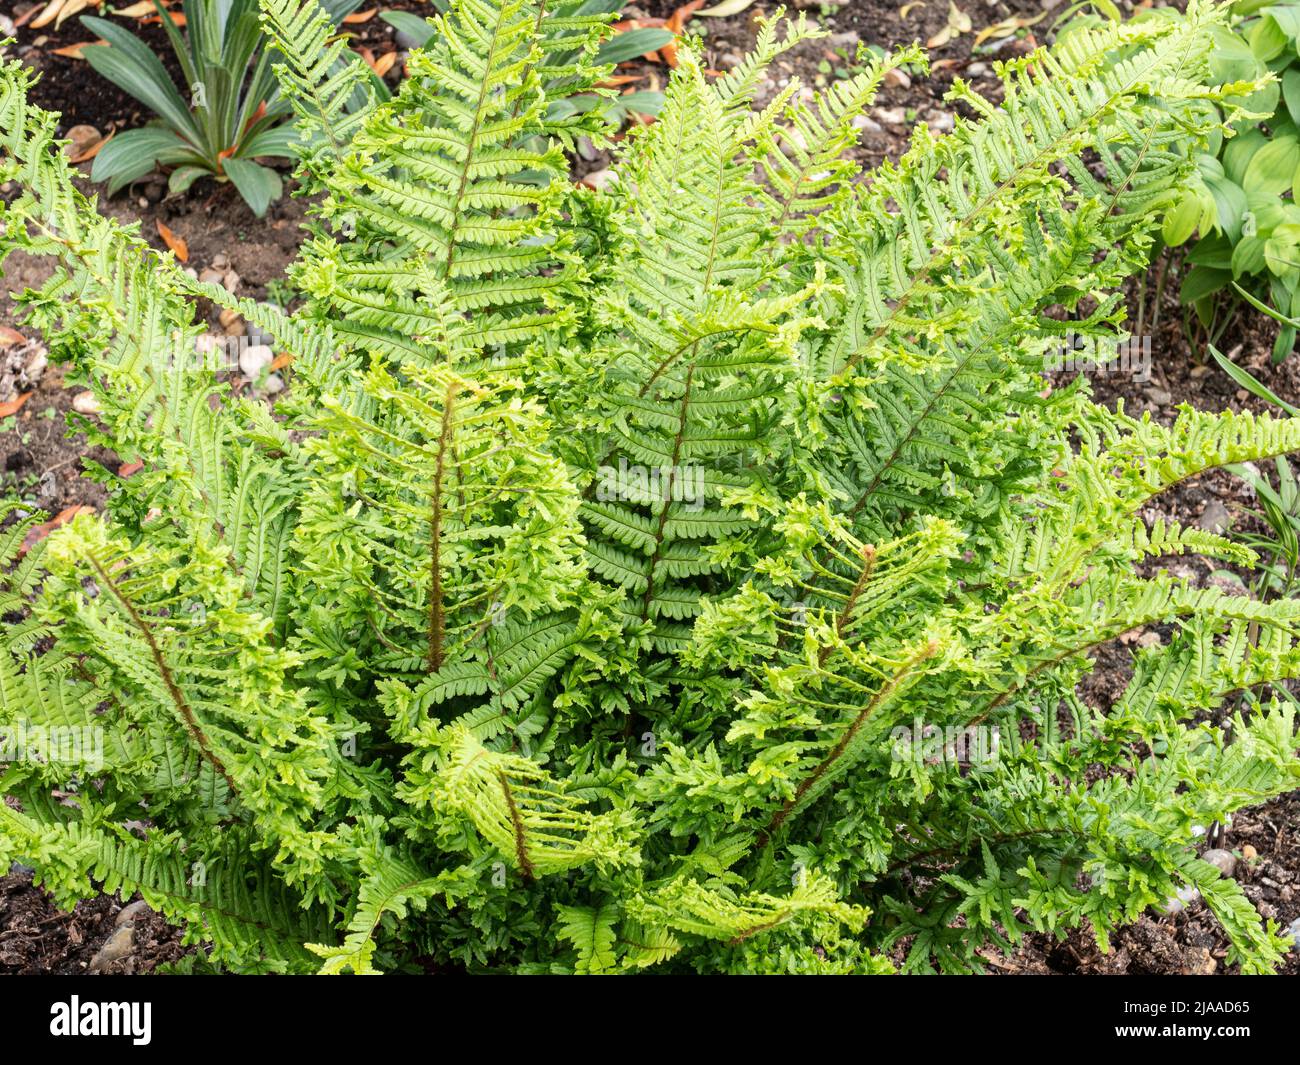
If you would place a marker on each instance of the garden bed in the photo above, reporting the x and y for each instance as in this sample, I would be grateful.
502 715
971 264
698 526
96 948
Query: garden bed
222 235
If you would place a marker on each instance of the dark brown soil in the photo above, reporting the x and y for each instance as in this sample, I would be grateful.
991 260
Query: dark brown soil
37 939
38 461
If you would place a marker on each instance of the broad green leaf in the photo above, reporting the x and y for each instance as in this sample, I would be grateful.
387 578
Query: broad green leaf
259 185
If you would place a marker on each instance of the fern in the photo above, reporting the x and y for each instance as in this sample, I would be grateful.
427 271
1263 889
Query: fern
614 586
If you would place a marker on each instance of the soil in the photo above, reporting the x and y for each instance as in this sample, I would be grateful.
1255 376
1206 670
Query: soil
41 462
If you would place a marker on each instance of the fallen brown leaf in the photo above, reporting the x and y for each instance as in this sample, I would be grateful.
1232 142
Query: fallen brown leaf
73 51
175 243
14 405
360 16
128 468
93 150
9 337
383 64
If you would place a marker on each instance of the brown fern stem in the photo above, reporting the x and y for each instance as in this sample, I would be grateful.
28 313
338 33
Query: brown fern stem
437 609
164 671
806 785
517 822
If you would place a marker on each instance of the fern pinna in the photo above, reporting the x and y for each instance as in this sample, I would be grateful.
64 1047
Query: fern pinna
591 600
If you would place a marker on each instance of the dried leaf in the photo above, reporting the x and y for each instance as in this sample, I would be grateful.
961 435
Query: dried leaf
139 10
357 17
9 337
93 150
281 361
128 468
1006 28
175 243
48 14
73 51
727 7
383 64
676 23
958 19
14 405
906 9
940 39
70 8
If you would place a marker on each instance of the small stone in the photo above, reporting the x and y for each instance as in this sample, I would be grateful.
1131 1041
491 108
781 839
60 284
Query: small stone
231 322
1148 639
847 40
600 180
81 138
221 262
977 70
1249 853
117 947
132 912
1159 397
1181 899
141 202
254 359
34 368
729 60
6 26
1224 861
273 385
85 403
940 122
867 125
1215 518
890 116
1294 932
211 276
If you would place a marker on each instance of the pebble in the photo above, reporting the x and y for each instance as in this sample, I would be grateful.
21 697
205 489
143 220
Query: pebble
867 125
940 121
729 60
1215 518
117 947
1224 861
231 322
848 39
890 116
85 403
273 384
254 359
1182 898
132 912
600 180
1294 932
6 26
82 137
977 70
897 78
34 368
1159 397
1249 853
